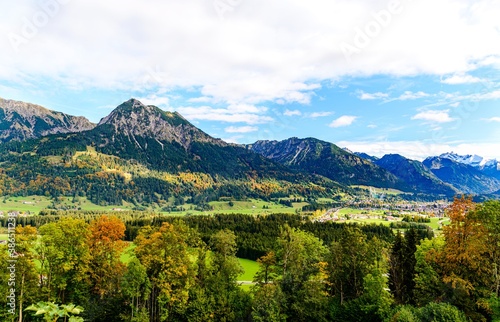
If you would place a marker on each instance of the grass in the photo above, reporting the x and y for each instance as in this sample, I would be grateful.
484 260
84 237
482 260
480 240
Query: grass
248 207
386 191
128 253
34 204
25 204
251 267
369 221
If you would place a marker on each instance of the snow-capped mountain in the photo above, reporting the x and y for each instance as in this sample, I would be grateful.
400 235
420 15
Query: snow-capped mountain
470 159
490 167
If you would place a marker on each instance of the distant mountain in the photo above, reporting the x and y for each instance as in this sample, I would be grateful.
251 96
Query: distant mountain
20 121
134 119
490 167
415 174
470 159
466 178
327 159
366 156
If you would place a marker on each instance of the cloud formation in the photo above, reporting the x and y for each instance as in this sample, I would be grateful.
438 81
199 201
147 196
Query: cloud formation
434 116
344 120
280 51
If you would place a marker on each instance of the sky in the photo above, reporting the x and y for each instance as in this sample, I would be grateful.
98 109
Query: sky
414 77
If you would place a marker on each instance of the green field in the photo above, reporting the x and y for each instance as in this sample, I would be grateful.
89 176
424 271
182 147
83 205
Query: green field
354 211
128 253
369 221
34 204
251 267
249 207
380 191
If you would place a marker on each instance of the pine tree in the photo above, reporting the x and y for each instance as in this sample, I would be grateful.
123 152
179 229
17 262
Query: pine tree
396 269
409 262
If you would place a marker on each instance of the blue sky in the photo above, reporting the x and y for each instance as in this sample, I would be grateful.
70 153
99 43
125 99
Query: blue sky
417 78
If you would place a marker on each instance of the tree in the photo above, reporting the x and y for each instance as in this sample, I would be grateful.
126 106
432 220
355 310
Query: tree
26 275
136 287
225 268
105 246
267 269
396 269
268 304
410 247
52 312
429 286
402 267
488 214
64 255
301 265
349 261
432 312
465 262
164 254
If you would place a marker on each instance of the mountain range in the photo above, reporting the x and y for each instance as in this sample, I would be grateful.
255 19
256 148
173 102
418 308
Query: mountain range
140 153
22 121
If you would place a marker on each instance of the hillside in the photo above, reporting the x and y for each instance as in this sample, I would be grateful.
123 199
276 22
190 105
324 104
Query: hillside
327 159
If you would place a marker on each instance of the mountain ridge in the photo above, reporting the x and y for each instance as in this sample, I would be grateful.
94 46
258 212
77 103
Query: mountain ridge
325 158
464 177
21 121
415 174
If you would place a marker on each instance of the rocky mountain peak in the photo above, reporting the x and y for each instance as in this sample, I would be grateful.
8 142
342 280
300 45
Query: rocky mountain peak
21 121
133 118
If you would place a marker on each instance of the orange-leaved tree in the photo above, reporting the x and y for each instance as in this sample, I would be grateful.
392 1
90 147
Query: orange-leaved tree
464 262
106 245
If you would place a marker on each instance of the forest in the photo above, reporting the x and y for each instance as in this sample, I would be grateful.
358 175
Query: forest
69 266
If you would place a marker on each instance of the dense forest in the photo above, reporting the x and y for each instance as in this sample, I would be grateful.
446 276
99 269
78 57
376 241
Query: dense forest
185 269
60 169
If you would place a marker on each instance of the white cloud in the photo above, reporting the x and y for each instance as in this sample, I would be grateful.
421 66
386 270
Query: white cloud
292 112
319 114
251 56
418 150
371 126
493 119
461 79
372 96
408 95
456 104
241 129
224 115
159 101
434 116
344 120
233 139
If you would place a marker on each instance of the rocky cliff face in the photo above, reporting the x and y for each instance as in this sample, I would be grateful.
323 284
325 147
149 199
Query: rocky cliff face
134 119
21 121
